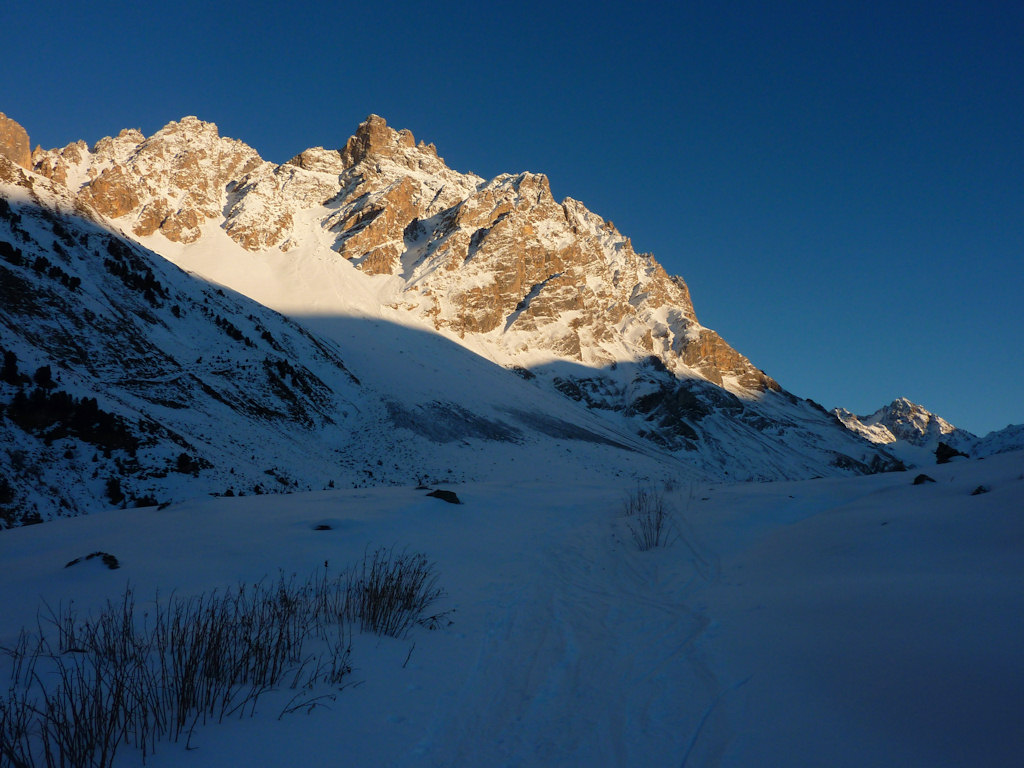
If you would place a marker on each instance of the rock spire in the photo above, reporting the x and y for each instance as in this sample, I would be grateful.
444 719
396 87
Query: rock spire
14 142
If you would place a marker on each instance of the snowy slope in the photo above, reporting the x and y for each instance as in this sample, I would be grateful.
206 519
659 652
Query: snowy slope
187 368
253 401
841 622
1009 438
874 622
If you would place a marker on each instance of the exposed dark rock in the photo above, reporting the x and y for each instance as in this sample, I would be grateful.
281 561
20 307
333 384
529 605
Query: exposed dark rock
448 496
944 452
922 479
846 462
108 560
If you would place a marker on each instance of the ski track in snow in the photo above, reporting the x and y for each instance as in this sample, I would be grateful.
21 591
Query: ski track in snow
563 646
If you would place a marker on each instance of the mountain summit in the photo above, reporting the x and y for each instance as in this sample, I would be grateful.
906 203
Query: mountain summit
903 420
913 432
14 142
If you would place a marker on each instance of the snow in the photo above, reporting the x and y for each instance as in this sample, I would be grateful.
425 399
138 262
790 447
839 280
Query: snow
841 622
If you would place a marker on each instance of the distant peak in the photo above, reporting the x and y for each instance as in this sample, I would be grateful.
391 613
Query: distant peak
190 124
904 407
375 137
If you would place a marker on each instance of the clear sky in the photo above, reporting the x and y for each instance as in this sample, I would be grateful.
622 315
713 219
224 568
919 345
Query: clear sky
841 184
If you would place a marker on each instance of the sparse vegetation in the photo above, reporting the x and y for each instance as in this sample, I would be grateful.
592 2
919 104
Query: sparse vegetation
232 330
389 593
40 264
186 465
9 371
133 272
81 689
53 414
648 519
113 490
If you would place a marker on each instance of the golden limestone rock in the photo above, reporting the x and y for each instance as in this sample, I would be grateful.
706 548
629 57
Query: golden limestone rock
55 163
374 137
506 258
14 142
171 182
112 193
713 357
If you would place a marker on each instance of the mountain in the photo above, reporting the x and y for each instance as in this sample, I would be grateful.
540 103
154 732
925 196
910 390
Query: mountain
14 144
358 315
123 377
498 259
913 433
128 381
1009 438
907 422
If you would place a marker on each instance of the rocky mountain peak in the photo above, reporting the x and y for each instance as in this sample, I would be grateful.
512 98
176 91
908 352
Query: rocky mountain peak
906 421
14 143
319 160
912 422
500 259
382 228
373 137
172 182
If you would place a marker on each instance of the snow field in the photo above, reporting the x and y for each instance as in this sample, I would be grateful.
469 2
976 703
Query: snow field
860 621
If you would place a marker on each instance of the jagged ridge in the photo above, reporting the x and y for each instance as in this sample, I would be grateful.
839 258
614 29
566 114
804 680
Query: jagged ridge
499 258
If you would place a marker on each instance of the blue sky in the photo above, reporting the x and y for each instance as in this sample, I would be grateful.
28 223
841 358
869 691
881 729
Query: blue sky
841 184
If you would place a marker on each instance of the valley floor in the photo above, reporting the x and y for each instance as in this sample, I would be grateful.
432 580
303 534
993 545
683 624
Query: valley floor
846 622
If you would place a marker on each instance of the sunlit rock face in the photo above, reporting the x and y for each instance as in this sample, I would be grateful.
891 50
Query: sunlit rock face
14 142
172 182
500 258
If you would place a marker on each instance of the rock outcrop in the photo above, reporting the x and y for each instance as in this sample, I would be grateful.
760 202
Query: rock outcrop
14 142
171 183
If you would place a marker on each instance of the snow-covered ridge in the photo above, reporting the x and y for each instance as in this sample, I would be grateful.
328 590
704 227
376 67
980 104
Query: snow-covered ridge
906 421
913 432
